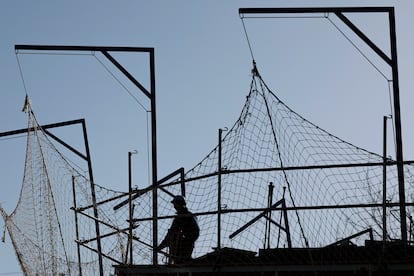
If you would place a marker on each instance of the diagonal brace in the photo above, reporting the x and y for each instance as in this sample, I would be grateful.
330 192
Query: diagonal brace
361 35
262 214
126 73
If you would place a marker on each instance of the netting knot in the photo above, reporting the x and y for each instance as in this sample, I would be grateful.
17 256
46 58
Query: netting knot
255 72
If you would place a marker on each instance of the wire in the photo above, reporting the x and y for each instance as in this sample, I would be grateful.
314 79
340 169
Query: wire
247 38
307 17
120 83
276 141
21 74
357 48
392 112
13 137
148 147
389 81
76 54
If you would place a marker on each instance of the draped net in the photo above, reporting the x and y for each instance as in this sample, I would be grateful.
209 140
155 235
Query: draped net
321 189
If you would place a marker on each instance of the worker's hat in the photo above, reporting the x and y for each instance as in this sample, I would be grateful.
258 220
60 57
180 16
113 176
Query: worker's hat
178 199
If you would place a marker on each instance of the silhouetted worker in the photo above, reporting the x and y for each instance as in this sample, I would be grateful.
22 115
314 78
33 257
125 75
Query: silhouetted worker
182 234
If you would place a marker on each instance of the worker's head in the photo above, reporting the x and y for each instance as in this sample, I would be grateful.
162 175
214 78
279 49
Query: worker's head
178 201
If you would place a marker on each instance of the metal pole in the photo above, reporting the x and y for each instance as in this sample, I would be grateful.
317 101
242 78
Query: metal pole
243 11
182 182
151 95
271 186
289 240
394 65
154 160
219 190
93 196
76 226
384 182
269 217
397 118
131 207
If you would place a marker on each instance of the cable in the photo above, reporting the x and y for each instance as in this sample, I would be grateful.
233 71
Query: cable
120 83
21 74
262 86
324 16
247 38
392 112
14 137
389 81
358 49
36 53
148 148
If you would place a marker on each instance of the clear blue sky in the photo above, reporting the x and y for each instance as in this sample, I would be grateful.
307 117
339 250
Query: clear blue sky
202 77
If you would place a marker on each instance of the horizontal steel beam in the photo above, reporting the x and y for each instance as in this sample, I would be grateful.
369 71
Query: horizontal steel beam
25 130
245 268
83 48
313 10
287 208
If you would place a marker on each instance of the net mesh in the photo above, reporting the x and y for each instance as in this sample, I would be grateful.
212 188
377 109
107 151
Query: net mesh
284 182
45 229
309 168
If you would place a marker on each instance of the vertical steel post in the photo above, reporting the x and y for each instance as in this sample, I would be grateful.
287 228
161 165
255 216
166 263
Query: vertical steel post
219 190
398 132
384 182
287 229
269 218
182 182
394 66
76 226
150 95
93 195
131 216
154 160
285 214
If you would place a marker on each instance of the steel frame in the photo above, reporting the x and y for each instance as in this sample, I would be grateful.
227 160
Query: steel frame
260 269
149 94
391 61
339 12
85 157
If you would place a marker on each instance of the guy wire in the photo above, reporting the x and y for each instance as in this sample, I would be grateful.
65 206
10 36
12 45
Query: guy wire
120 83
21 73
247 37
357 48
392 111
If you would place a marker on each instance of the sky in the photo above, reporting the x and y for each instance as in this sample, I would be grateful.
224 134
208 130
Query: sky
202 72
